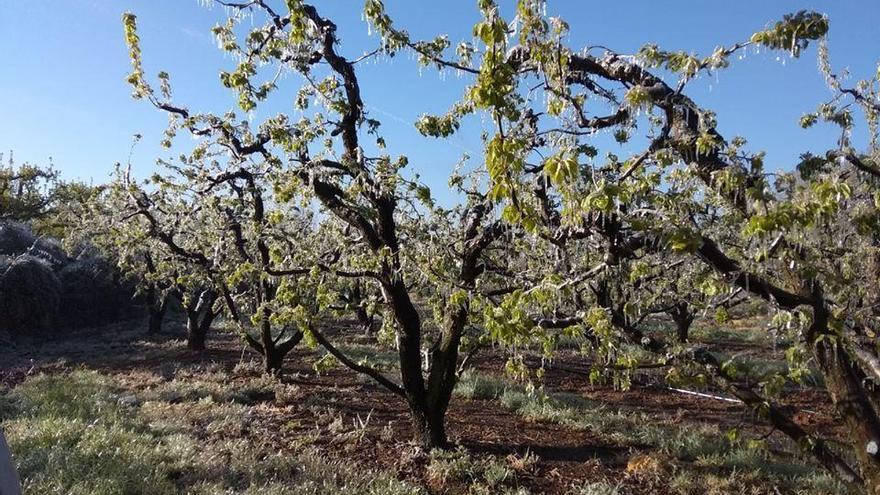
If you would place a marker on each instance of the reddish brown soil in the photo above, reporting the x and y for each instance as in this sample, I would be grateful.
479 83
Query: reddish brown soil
566 457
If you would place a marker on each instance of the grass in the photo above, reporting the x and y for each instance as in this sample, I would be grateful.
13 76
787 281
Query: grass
703 456
758 369
81 433
383 359
597 488
486 475
197 429
69 434
744 331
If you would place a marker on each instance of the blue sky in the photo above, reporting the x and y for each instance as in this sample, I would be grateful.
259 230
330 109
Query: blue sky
63 95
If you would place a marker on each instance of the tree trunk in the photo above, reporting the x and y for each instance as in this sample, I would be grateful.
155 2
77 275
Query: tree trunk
443 373
409 350
365 320
429 429
274 354
155 321
196 334
205 324
273 363
442 376
156 307
199 317
845 382
683 317
354 297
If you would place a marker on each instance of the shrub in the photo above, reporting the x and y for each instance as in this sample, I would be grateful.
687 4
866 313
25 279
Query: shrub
17 239
30 294
90 292
87 292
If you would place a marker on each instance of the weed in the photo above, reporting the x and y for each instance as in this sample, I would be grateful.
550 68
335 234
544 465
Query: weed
597 488
479 475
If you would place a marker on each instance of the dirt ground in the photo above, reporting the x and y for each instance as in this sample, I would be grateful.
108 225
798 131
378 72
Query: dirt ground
549 457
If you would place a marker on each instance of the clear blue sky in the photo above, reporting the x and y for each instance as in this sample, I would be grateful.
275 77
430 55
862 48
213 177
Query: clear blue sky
63 95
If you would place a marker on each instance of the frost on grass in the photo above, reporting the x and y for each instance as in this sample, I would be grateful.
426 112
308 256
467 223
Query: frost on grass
78 434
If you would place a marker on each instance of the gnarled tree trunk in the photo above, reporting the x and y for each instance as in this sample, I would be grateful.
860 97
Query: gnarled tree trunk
200 316
846 383
273 356
157 305
683 317
365 319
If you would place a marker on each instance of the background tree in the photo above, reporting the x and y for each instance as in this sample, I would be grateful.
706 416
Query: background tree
99 224
214 238
27 192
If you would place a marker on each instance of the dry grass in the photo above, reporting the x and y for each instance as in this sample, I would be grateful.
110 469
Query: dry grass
696 457
88 433
154 420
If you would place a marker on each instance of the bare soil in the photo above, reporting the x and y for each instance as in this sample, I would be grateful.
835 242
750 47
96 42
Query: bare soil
565 457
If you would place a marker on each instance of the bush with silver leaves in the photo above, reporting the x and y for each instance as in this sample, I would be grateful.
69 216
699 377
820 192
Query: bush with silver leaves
30 294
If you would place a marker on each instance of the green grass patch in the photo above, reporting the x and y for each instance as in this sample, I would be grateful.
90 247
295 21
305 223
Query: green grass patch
80 433
448 470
